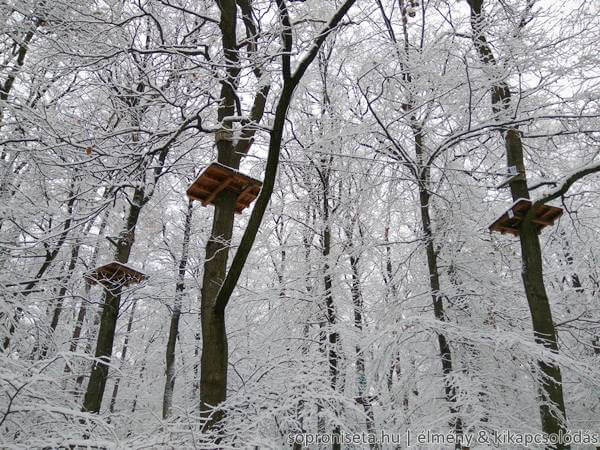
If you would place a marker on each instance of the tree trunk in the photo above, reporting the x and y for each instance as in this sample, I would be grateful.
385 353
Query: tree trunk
301 406
60 300
396 365
306 329
434 282
544 331
213 363
115 392
438 311
217 289
110 313
143 365
91 335
106 335
174 326
8 84
357 301
83 306
421 173
331 316
333 356
551 392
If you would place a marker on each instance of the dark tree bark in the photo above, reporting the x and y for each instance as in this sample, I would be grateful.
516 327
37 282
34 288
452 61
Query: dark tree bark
434 283
110 311
175 315
392 289
333 346
153 168
63 290
358 306
7 86
551 393
218 288
115 392
81 313
60 299
213 365
143 366
420 170
306 242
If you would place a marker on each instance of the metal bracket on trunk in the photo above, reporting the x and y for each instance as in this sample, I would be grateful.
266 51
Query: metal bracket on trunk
513 174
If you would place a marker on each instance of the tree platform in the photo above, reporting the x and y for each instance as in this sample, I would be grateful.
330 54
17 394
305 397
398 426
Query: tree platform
115 273
217 177
510 221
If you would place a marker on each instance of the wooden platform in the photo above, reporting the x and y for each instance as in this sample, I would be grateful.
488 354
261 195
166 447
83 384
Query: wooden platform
510 221
115 273
216 178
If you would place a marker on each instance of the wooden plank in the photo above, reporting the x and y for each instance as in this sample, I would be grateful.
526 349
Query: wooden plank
209 178
113 273
543 214
246 190
509 222
542 222
197 192
522 205
503 230
551 214
213 173
244 184
217 177
215 192
240 206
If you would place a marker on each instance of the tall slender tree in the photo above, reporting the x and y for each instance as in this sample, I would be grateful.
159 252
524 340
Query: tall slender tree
216 294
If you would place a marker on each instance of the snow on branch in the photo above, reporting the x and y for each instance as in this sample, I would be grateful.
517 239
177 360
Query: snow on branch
569 181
